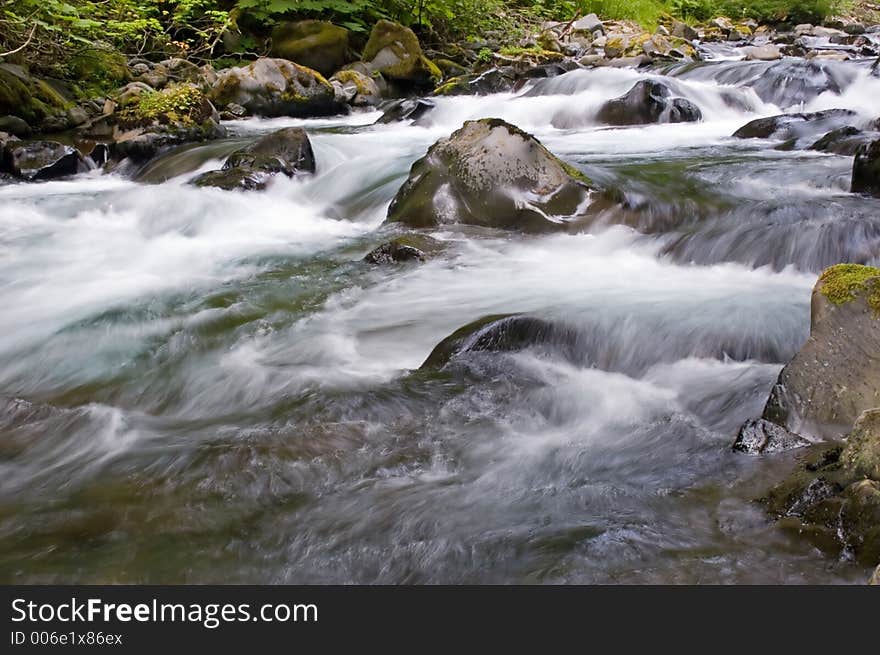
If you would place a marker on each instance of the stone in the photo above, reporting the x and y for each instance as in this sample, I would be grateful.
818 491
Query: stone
15 125
491 173
394 51
648 102
275 87
766 52
866 169
835 376
317 44
41 160
359 89
759 436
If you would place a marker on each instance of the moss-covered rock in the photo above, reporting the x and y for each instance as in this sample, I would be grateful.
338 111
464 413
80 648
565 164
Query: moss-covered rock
276 87
861 456
491 173
183 104
31 98
99 70
866 169
394 51
316 44
829 503
836 374
358 89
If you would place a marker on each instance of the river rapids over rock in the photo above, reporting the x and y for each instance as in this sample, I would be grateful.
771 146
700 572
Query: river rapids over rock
208 386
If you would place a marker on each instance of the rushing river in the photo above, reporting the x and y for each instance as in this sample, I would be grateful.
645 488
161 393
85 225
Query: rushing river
208 386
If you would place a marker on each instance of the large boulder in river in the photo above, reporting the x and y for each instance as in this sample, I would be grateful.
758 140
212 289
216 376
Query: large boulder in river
836 374
394 51
648 102
41 160
284 151
275 87
491 173
317 44
356 89
866 169
844 141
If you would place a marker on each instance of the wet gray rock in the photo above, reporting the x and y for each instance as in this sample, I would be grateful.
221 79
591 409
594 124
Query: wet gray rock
842 141
800 128
759 436
866 169
491 173
835 376
406 109
284 151
497 333
406 248
41 160
648 102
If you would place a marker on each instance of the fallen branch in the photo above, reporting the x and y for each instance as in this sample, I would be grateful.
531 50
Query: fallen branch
23 45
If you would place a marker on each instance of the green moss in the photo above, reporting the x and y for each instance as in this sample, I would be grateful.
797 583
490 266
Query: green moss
176 104
576 173
386 33
535 52
99 71
845 282
353 77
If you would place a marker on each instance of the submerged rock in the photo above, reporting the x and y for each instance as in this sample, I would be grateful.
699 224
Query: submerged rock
41 160
317 44
843 141
406 109
866 169
648 102
394 51
835 376
406 248
491 173
796 126
275 87
497 333
284 151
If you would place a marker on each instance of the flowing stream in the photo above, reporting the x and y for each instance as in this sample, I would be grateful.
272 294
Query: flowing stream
208 386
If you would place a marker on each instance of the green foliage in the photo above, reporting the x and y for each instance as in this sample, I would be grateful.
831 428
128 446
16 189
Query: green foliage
764 11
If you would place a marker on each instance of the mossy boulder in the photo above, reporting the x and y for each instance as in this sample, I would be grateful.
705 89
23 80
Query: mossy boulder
491 173
866 169
861 456
394 51
317 44
99 70
844 141
284 151
648 102
275 87
154 120
32 99
357 89
831 497
836 374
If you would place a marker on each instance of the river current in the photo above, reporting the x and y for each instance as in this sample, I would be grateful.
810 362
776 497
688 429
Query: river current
208 386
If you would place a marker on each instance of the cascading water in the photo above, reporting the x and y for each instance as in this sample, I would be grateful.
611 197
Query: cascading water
209 386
